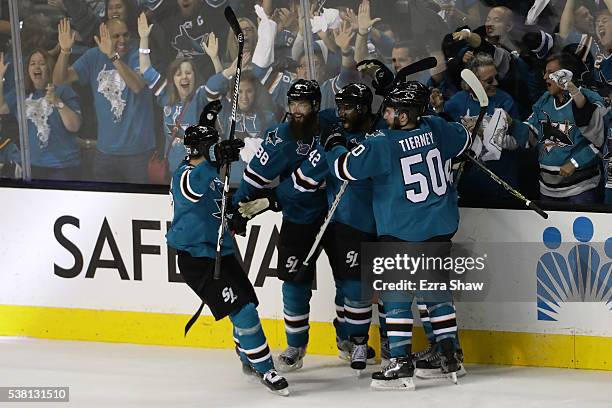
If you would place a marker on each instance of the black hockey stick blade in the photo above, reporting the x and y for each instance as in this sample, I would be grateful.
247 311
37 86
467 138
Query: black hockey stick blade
232 20
422 65
194 318
209 114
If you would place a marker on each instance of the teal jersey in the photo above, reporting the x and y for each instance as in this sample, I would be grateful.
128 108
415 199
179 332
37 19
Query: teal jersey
412 195
566 145
196 199
355 207
280 156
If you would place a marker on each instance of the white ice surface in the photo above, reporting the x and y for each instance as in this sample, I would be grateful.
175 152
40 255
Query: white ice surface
126 376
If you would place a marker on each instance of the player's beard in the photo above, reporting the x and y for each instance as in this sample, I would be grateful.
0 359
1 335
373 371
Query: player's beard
355 124
306 129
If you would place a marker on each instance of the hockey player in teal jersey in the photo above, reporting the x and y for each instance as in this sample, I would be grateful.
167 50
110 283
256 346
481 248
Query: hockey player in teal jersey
352 224
568 124
284 149
412 200
196 196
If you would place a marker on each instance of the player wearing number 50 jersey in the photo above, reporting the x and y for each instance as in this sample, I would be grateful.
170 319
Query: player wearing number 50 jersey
413 201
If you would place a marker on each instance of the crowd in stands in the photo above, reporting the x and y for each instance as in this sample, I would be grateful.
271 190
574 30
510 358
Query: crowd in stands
110 86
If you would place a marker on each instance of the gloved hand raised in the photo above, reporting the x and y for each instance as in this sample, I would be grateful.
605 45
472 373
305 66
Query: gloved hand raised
225 151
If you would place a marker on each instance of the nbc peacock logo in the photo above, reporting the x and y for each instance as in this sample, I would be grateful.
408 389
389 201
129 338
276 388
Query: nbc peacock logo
569 272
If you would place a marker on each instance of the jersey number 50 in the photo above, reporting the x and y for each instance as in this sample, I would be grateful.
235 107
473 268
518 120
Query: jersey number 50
437 178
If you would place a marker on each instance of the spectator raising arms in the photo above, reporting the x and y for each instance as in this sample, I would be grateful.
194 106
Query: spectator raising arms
568 123
54 117
178 95
123 103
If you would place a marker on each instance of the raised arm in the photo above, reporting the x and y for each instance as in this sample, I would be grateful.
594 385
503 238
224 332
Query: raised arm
567 19
343 38
4 109
62 73
144 30
211 48
365 25
132 79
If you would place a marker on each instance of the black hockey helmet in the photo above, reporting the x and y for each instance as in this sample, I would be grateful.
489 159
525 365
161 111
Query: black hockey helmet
355 94
410 94
198 138
304 89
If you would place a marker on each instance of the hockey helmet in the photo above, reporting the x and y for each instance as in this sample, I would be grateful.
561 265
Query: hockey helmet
304 89
410 94
198 138
355 94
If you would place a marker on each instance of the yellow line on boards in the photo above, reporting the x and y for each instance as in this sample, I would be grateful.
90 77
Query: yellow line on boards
479 346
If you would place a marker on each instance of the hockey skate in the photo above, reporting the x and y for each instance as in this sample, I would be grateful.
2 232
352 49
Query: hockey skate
429 366
359 353
385 352
345 350
450 364
276 384
247 369
395 376
291 359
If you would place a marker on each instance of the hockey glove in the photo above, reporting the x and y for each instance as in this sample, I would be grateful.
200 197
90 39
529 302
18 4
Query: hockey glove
209 114
236 224
223 152
332 137
382 77
257 205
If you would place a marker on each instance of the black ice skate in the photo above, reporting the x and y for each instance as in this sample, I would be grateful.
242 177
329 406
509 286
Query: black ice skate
428 363
344 351
429 366
247 369
385 352
359 353
450 363
291 359
396 376
276 384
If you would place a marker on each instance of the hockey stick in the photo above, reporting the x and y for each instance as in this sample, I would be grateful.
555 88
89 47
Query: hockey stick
422 65
474 83
235 25
416 67
470 78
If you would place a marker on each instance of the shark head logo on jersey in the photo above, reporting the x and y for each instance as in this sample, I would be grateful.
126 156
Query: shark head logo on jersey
556 134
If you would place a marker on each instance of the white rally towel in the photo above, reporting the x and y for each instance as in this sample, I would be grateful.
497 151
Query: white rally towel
494 136
535 11
329 20
251 145
263 55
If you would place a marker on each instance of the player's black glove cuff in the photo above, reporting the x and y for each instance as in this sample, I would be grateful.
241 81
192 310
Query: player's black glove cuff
224 152
209 114
270 194
332 137
236 223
